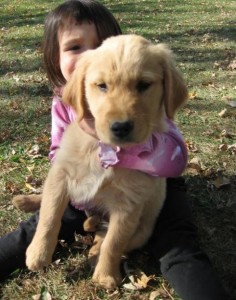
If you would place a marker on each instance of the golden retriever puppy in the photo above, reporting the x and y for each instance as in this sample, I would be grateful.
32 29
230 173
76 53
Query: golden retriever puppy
128 86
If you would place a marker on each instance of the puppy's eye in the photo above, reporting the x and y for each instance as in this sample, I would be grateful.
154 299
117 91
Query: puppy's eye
142 86
102 87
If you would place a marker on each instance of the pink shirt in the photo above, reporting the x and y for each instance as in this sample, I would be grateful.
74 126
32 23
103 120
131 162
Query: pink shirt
163 155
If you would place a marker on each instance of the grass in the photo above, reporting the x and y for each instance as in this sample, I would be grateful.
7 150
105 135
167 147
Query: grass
202 35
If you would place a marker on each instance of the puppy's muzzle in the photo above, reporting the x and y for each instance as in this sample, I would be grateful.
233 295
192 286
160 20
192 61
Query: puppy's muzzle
122 130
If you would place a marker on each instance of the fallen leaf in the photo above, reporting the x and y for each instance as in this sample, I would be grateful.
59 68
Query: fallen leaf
32 189
114 294
31 168
16 78
154 294
192 95
195 163
34 150
223 147
225 133
42 296
232 148
11 187
14 105
232 65
208 83
57 262
220 181
82 242
138 279
223 113
191 146
27 284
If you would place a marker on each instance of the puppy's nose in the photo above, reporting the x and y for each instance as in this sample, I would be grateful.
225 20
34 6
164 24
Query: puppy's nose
122 129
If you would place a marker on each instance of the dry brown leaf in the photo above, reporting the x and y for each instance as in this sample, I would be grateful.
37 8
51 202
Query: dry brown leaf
29 187
221 181
195 163
31 168
14 105
208 83
225 133
223 147
154 294
11 187
226 147
27 284
192 95
232 65
114 294
161 293
34 150
46 296
223 113
232 148
138 279
191 146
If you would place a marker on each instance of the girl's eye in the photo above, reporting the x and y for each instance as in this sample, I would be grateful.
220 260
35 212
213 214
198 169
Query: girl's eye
74 48
103 87
142 86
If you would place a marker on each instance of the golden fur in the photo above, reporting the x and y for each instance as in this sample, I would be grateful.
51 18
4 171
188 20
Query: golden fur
126 79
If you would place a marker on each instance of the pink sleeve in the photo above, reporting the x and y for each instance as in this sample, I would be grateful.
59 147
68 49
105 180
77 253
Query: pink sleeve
163 155
62 115
171 153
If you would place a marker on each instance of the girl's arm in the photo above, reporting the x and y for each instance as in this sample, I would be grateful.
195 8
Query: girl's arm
62 115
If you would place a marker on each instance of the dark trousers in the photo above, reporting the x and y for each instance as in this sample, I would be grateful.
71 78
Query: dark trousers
173 246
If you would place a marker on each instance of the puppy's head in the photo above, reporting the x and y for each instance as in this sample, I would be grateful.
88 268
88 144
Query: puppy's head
129 86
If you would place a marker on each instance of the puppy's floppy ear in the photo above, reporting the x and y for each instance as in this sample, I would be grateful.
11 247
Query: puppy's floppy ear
74 91
175 89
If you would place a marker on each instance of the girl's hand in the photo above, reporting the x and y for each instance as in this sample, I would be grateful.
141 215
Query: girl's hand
87 124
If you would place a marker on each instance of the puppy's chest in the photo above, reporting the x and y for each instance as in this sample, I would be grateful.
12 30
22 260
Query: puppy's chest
84 187
99 187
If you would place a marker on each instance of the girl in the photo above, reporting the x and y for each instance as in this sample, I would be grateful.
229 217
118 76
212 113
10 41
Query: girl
72 28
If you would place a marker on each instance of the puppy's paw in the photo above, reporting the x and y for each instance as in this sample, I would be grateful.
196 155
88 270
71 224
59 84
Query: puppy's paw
108 280
91 223
95 249
37 257
93 258
27 203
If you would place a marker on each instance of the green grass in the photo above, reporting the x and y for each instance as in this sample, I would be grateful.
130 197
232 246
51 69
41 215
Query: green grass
202 36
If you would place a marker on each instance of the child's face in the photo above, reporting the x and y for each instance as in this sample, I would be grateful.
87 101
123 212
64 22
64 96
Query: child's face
72 42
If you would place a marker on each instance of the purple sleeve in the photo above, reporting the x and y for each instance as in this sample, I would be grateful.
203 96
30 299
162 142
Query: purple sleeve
62 115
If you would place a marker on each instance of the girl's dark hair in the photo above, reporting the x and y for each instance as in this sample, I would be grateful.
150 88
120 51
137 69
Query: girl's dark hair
73 11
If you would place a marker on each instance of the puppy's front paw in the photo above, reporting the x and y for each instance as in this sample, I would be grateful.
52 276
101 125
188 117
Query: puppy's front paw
91 223
37 257
107 279
93 258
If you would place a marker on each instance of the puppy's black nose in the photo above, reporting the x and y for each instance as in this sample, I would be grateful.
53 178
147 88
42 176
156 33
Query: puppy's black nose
122 129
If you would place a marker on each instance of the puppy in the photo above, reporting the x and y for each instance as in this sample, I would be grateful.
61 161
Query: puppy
128 86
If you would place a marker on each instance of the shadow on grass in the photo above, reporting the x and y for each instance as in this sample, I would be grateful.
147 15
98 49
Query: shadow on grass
28 90
24 18
214 213
17 66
